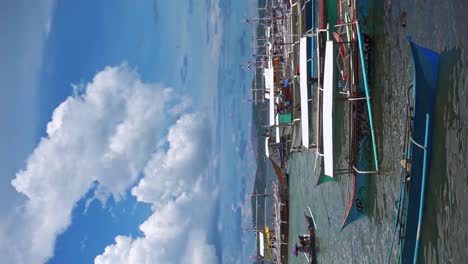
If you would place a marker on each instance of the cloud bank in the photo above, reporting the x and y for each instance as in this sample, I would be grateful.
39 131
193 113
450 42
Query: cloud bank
113 133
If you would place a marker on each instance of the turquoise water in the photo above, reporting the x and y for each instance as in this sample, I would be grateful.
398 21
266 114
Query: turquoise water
438 25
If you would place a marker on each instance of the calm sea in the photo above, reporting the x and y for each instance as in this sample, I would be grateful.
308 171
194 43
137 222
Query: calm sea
441 26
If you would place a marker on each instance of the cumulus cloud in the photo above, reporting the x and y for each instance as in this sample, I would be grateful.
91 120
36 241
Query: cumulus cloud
181 229
176 172
107 134
177 233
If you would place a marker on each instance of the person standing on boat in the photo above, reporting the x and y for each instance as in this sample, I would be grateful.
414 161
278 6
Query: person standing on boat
304 240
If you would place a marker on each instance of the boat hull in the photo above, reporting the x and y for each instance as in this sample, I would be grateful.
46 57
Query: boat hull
363 156
313 246
425 67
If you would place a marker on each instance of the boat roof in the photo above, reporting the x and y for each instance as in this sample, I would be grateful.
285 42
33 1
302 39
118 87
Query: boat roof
262 243
327 111
269 75
303 92
269 86
277 129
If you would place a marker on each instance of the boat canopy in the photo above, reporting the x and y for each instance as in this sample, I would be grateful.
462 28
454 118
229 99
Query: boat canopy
328 87
262 243
269 75
269 86
304 92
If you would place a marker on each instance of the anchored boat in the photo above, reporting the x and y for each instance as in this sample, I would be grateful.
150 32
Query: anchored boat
308 241
416 153
362 153
345 80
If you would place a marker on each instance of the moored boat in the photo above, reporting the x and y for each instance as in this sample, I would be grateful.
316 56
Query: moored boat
345 80
416 155
307 241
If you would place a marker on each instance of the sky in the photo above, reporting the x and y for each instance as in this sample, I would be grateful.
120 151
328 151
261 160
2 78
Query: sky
124 136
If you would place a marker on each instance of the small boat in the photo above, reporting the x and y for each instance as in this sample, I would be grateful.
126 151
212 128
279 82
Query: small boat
416 155
309 249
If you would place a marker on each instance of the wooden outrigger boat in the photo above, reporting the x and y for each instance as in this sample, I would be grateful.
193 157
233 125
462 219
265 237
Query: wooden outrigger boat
350 87
362 146
416 152
310 249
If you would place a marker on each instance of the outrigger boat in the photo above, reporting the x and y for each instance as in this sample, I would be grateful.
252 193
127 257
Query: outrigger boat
416 153
350 87
310 248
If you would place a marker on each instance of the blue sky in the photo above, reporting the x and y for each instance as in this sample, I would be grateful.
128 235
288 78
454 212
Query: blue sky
119 123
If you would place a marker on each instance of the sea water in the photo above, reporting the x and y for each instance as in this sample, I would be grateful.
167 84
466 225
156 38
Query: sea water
438 25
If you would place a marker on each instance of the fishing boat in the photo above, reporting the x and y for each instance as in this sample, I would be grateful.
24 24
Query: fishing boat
416 155
362 153
346 54
308 245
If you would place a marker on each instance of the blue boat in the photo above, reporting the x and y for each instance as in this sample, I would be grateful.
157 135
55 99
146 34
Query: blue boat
417 152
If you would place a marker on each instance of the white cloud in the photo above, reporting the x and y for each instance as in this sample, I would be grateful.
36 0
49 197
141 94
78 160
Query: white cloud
177 233
215 29
198 250
107 135
176 184
176 172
